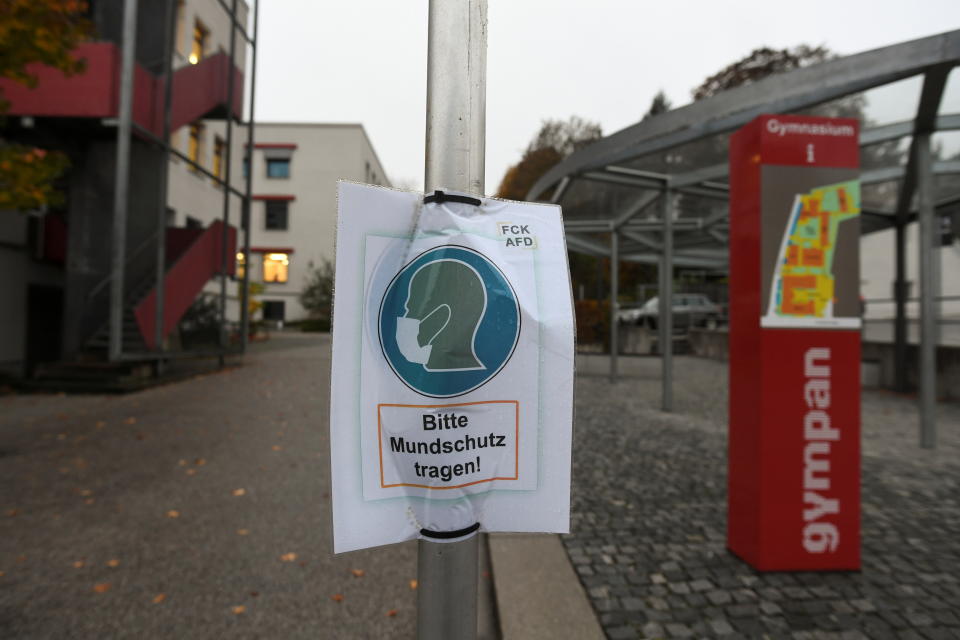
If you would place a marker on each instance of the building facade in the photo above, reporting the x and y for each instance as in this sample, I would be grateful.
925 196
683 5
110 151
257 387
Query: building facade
183 235
296 167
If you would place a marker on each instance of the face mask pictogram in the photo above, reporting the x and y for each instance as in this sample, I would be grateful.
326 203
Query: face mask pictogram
408 337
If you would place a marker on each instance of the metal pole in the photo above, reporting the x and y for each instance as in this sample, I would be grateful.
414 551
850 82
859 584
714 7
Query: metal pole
614 306
928 318
666 305
161 264
245 222
455 134
225 165
122 178
900 298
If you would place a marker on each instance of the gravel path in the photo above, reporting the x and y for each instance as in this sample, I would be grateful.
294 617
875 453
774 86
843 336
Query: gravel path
193 510
649 503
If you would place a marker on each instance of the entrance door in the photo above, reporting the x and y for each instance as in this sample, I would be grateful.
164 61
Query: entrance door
273 312
44 325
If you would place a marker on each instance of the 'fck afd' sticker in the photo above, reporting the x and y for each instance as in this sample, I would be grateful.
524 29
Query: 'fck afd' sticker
449 321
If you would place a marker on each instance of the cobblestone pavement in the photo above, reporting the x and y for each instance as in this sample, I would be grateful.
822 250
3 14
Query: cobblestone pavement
199 509
649 521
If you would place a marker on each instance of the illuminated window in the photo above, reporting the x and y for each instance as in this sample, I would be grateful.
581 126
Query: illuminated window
195 146
200 34
241 265
218 149
275 267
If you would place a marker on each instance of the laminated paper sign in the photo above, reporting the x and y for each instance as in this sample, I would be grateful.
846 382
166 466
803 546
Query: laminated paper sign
452 382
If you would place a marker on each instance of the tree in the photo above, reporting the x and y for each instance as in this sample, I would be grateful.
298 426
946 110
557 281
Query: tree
555 140
759 64
317 294
36 32
659 104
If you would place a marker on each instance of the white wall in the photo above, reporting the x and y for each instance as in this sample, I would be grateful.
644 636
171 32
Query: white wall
877 273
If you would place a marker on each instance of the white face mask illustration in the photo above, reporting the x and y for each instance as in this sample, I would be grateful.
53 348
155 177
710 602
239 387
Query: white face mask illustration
408 331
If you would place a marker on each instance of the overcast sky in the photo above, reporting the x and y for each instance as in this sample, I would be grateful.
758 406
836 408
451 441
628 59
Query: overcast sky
365 61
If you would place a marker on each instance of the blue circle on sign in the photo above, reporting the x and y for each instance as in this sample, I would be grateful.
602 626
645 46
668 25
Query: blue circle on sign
449 321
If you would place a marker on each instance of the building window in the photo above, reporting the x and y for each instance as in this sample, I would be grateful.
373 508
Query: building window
276 218
275 267
273 310
246 166
195 147
241 265
199 45
278 167
218 148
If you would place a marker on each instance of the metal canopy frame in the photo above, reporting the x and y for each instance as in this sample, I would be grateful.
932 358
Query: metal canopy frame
602 193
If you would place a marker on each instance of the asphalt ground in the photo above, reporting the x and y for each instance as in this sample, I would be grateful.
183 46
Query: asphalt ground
649 519
193 510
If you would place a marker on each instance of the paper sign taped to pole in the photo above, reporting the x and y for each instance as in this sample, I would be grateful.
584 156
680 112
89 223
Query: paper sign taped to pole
452 382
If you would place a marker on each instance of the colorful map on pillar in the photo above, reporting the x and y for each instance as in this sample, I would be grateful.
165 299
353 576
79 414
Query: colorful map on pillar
803 288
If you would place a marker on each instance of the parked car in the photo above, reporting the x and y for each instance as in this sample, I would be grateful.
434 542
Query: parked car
629 313
689 310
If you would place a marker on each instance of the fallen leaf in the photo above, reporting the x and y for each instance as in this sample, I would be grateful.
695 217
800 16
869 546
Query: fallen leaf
86 492
78 564
191 472
140 436
413 584
254 594
337 597
101 424
277 447
357 573
200 462
392 613
242 532
239 492
130 420
103 587
61 436
173 513
288 557
2 573
239 609
89 501
21 559
12 512
160 597
182 462
113 562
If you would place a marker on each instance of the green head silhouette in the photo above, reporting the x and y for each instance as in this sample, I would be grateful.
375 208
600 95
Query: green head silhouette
445 304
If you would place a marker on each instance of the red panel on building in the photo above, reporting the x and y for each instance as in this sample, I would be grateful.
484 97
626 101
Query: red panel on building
198 90
794 447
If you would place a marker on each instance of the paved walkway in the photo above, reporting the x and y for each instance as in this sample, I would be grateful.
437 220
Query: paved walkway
649 502
194 510
201 510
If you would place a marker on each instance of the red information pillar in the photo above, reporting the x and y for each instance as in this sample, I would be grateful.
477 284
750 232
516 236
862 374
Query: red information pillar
794 445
